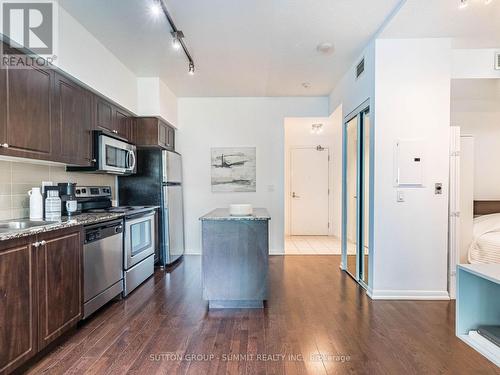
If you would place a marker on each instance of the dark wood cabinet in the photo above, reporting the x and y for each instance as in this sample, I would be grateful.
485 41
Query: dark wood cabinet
18 323
26 105
154 132
41 292
59 269
72 119
111 118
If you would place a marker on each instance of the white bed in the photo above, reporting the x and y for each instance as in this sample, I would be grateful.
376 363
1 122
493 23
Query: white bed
485 247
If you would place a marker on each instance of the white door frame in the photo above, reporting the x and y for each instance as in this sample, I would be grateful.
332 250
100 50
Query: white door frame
289 197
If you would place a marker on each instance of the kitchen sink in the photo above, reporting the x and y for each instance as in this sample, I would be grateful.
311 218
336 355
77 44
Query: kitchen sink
14 225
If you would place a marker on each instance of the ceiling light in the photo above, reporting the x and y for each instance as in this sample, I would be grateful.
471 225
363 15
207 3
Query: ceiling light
463 4
176 39
191 68
306 85
317 128
155 8
325 48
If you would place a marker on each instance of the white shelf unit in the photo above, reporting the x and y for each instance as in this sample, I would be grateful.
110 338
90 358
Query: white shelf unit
478 304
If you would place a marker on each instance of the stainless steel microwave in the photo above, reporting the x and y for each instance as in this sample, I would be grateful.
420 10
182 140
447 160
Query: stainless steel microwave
112 154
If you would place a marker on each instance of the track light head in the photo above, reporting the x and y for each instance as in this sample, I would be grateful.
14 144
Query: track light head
176 39
155 8
463 4
191 68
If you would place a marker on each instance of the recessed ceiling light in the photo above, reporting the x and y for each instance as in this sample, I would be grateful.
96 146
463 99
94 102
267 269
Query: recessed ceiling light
325 48
306 85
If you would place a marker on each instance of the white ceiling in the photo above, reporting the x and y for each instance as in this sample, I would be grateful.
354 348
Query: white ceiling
240 47
477 26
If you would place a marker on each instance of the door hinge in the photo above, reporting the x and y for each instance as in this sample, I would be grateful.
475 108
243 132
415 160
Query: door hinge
328 225
328 191
455 214
455 153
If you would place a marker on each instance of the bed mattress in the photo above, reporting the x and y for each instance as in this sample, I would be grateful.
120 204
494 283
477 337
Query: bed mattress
485 247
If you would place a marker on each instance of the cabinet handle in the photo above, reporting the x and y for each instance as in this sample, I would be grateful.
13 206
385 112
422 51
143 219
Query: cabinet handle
92 160
4 145
43 243
115 131
36 244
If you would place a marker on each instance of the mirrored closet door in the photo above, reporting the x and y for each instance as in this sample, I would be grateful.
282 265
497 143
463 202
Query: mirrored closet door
356 195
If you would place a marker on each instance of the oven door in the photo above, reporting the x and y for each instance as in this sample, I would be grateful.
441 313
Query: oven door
116 156
139 239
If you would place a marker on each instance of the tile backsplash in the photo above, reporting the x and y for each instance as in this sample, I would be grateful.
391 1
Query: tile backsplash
17 178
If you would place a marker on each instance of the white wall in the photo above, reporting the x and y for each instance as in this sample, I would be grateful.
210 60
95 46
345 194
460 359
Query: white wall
351 92
298 134
154 98
231 122
84 57
412 98
474 63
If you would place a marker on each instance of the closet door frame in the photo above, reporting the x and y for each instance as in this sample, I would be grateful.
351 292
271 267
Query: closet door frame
359 113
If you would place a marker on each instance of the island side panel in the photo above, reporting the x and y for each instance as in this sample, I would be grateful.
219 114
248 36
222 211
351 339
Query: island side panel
235 261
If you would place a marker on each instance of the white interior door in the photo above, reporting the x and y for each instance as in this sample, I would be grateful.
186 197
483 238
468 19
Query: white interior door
309 191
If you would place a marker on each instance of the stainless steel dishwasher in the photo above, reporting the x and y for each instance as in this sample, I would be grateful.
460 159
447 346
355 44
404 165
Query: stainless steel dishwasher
102 264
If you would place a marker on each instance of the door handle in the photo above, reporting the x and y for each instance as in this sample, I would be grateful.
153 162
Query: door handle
295 195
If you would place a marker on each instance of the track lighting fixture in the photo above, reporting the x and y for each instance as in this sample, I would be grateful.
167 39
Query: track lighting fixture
176 39
465 3
177 35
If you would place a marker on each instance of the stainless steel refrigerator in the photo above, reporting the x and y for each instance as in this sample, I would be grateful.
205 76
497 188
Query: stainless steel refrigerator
158 182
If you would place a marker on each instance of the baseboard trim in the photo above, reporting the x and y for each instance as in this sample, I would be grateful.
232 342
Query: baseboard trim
420 295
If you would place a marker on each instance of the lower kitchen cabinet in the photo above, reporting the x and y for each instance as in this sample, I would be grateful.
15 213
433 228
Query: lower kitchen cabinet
40 292
59 271
18 319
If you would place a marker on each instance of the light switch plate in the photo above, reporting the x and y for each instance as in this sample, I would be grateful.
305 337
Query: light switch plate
401 196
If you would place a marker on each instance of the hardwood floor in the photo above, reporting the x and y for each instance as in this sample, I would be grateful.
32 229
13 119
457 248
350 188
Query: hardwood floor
316 316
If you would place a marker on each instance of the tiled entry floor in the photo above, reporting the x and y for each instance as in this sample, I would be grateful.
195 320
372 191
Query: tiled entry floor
312 245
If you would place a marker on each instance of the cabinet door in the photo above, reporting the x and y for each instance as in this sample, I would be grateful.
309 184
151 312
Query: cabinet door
18 325
170 138
122 123
162 134
27 127
73 120
60 284
104 114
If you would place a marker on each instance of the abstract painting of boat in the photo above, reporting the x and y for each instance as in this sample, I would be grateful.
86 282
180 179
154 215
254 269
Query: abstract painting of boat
233 169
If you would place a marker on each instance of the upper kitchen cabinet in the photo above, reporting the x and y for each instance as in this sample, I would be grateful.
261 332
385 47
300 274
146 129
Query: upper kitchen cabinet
26 129
72 117
154 132
111 118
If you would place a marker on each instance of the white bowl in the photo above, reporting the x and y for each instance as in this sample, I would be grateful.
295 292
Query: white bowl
240 209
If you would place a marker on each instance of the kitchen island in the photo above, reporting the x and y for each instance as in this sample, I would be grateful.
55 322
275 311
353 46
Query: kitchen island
235 258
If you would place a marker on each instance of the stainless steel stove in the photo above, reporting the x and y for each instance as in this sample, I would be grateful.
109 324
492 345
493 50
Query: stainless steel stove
138 245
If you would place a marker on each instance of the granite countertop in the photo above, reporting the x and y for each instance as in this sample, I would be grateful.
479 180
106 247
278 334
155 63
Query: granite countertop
223 214
66 222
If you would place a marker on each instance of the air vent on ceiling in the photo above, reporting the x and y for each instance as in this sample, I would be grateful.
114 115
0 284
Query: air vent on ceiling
360 68
497 61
